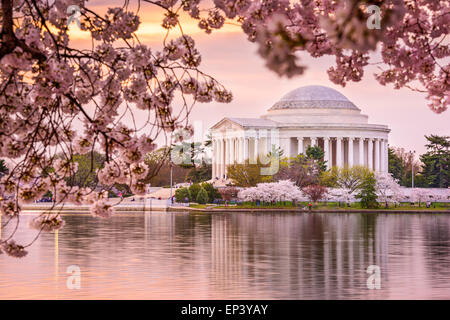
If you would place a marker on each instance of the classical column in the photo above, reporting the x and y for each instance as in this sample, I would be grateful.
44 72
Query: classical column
377 155
256 150
222 159
289 147
213 163
235 154
230 158
350 152
239 150
361 151
246 149
339 152
219 159
326 152
234 150
386 156
231 151
331 152
227 155
313 141
214 158
300 145
370 153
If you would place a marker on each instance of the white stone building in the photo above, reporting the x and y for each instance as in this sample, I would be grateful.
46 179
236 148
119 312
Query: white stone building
310 115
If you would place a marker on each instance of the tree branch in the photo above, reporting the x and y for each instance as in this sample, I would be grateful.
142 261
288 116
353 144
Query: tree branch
9 40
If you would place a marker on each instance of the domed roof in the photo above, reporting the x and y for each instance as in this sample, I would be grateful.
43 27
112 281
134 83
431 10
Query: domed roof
314 97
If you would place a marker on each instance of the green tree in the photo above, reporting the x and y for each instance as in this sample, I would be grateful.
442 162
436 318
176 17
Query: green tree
246 174
86 175
155 160
200 173
316 154
300 169
208 142
408 163
202 196
3 168
367 192
347 178
159 165
187 154
396 166
276 152
213 193
191 154
194 190
181 194
329 177
436 162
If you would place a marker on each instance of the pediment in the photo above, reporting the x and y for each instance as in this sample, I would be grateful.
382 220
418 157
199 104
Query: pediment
227 124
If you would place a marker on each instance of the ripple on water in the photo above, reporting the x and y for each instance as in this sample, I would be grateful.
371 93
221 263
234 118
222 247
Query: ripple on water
234 256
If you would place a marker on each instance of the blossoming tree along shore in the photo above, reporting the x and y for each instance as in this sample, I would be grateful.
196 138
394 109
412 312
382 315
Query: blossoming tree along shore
284 190
345 181
315 192
387 188
47 86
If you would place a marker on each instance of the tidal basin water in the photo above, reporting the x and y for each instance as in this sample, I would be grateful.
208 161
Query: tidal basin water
234 256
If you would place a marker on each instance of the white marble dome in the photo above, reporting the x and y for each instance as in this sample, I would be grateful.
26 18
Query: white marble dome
314 97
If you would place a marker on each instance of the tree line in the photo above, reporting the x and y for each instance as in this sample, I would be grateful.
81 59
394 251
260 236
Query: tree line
431 171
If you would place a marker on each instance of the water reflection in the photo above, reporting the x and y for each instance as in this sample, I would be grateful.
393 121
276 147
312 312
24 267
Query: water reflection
235 256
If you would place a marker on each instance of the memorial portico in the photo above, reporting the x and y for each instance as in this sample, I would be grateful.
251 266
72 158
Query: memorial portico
308 116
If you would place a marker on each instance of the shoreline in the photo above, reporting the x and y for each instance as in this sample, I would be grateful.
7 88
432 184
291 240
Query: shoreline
71 208
124 208
283 210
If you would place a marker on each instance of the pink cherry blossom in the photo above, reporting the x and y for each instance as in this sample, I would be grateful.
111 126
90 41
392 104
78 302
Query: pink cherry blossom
102 209
47 222
12 249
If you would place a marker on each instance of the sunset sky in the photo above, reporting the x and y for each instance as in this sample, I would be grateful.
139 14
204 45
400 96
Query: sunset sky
232 60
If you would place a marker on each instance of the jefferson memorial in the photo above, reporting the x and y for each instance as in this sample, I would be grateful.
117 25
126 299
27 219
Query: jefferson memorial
307 116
